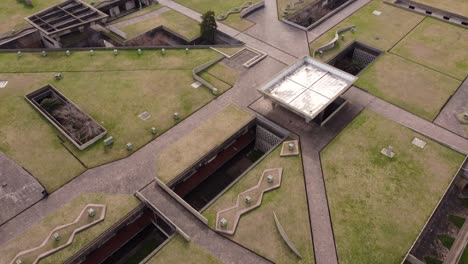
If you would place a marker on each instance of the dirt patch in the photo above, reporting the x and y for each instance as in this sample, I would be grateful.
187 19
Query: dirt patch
428 244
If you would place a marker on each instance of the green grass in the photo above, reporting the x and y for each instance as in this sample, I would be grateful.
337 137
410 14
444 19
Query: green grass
177 250
464 257
112 93
13 12
219 7
207 136
456 220
180 24
408 85
438 45
138 13
379 205
118 205
446 240
256 230
432 260
224 73
381 32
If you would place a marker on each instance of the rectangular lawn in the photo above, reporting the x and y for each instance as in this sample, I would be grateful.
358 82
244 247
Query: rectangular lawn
257 230
379 205
413 87
438 45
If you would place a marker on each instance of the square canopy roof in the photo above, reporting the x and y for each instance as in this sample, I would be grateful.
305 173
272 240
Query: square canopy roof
65 17
308 86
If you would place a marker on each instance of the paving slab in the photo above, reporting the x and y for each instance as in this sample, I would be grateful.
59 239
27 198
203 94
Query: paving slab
18 189
457 104
270 30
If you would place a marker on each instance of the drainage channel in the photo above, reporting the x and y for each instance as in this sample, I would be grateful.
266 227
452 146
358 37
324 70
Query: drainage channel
131 241
227 164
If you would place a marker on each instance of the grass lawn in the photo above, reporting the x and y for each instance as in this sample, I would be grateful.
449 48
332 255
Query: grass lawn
175 21
257 230
138 13
12 13
219 7
201 140
459 7
177 250
112 93
230 51
464 257
118 205
381 32
408 85
224 73
379 205
438 45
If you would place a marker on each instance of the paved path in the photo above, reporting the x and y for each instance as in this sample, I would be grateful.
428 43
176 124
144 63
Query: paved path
224 249
270 30
456 105
18 190
409 120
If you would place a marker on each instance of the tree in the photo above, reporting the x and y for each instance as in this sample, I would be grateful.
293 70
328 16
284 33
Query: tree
208 27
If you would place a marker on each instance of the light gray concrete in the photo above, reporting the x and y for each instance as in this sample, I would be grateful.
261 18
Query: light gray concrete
334 20
269 29
18 189
457 104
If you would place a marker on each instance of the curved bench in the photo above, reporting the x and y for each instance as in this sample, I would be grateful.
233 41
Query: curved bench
330 45
252 9
97 219
285 237
234 10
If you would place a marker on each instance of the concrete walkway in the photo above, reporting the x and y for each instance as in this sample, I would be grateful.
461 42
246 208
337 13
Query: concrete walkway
456 105
269 29
409 120
224 249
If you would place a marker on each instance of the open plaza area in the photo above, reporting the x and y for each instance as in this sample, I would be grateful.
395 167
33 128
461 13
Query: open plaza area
210 131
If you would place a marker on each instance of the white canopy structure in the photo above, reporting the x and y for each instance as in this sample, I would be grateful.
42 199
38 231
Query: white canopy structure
307 87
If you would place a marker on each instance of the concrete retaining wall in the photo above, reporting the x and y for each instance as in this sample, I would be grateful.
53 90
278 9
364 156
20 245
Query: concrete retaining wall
252 9
181 201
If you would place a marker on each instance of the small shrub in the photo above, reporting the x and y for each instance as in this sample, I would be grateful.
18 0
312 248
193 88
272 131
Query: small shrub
432 260
50 104
446 240
456 220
